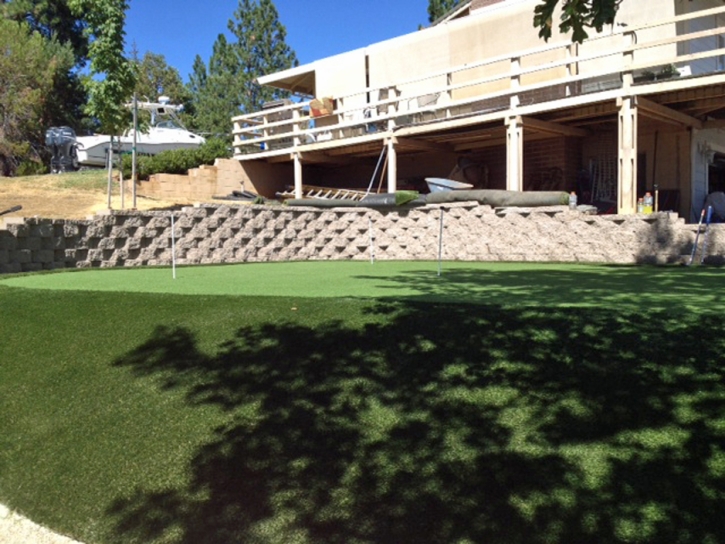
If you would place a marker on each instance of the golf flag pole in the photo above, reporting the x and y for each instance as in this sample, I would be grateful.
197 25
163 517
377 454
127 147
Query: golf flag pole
708 217
440 243
173 248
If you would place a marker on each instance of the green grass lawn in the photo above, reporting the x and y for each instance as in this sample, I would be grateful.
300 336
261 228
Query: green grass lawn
357 403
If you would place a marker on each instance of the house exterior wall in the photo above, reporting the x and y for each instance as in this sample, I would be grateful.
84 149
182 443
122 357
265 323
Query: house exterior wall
410 61
343 76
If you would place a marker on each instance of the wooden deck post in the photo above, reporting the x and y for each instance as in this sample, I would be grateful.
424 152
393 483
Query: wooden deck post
392 166
298 174
514 154
627 178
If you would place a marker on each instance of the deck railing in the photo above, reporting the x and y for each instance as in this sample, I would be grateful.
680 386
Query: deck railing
619 60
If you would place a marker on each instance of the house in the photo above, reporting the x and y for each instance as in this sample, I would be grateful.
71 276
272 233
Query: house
638 108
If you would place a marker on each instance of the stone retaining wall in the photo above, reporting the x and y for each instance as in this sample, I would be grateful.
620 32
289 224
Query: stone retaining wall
244 233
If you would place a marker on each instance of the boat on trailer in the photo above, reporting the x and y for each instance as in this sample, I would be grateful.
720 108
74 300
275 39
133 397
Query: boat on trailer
165 132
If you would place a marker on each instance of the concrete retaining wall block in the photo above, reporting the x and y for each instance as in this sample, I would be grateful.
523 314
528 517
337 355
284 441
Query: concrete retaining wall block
255 233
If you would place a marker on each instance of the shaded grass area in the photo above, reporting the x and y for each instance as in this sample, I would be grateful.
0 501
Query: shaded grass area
208 419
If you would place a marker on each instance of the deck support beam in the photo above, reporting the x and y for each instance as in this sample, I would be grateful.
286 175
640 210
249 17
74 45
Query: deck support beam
514 154
298 174
392 160
627 179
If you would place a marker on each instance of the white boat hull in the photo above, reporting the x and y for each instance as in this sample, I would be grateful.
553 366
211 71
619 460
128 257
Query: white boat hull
93 150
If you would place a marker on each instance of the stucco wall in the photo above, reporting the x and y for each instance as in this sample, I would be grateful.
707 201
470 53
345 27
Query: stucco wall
232 234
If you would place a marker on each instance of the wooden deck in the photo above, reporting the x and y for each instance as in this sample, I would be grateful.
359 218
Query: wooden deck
573 91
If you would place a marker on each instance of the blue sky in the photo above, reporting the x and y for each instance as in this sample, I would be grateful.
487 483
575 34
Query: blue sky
181 29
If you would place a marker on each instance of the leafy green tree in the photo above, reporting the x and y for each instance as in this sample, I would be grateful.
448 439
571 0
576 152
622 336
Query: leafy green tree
576 16
155 78
438 8
30 66
227 85
107 96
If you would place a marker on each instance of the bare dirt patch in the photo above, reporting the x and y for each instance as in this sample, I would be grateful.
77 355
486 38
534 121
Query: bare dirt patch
70 196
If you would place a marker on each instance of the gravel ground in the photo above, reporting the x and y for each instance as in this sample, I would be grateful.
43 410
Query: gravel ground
15 529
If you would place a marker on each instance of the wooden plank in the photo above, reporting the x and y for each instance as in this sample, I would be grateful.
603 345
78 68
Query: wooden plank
324 158
716 123
423 145
553 128
663 113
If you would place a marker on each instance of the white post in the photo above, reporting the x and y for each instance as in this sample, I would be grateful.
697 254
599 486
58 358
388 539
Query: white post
298 174
392 166
110 171
121 184
440 244
515 82
133 149
514 154
173 248
627 178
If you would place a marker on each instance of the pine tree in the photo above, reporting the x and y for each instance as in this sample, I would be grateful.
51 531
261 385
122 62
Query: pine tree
216 91
438 8
54 21
260 49
227 85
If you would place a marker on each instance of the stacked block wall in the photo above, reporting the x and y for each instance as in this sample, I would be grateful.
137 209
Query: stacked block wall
200 184
229 234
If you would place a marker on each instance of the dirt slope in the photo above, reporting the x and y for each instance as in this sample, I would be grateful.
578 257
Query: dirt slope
68 196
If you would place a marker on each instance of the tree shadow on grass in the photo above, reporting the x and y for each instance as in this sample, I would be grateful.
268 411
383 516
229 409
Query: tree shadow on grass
444 423
624 287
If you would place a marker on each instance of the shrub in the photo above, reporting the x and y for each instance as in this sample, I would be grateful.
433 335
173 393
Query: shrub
29 167
177 161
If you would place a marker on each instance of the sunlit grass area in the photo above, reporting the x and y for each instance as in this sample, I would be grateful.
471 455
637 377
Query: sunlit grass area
358 403
84 180
537 284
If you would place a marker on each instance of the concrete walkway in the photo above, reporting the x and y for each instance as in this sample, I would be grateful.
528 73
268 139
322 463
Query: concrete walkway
16 529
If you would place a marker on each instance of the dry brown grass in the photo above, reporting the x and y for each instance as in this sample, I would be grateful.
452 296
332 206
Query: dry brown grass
76 195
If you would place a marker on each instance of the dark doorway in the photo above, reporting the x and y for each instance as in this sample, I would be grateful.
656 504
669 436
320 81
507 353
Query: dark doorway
716 174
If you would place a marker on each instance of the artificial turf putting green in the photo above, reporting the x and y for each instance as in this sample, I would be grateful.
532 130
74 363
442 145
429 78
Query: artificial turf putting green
566 404
483 283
